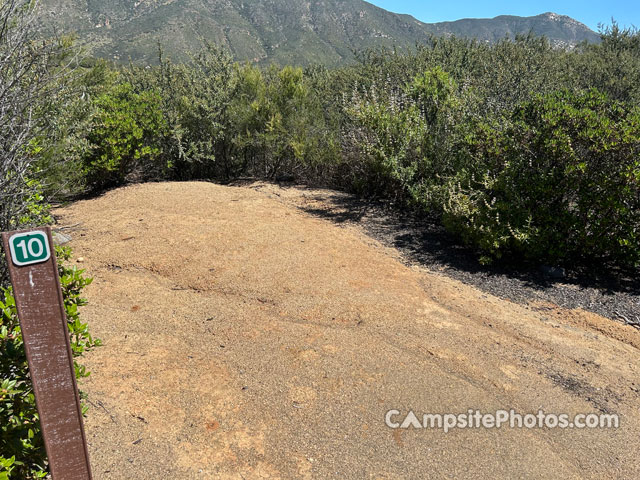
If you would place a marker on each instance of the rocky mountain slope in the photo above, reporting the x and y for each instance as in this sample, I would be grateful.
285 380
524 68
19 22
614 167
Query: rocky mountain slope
284 31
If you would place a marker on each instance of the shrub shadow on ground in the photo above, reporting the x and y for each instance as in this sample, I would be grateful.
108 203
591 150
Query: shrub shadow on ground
423 241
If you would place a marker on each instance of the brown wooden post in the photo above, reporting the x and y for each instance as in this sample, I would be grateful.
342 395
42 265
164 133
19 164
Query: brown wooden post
36 286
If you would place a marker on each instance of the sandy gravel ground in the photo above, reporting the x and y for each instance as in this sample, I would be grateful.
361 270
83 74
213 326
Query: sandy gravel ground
247 339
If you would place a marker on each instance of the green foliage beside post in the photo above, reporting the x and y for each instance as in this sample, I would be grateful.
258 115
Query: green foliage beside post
22 453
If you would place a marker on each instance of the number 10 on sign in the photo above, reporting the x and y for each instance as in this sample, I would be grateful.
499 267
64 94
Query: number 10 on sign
29 248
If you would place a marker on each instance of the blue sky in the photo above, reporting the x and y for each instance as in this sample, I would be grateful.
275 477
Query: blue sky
589 12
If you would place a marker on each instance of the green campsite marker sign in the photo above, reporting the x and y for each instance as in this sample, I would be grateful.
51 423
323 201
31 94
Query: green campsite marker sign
29 248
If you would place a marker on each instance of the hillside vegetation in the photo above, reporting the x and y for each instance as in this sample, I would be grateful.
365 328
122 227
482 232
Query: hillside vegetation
274 31
524 151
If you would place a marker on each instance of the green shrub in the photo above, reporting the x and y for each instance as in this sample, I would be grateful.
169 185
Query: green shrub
33 87
286 126
124 136
403 142
559 183
195 99
30 209
70 141
613 66
22 453
473 132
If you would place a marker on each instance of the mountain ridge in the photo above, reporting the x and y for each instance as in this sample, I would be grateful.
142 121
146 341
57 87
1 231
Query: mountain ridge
281 31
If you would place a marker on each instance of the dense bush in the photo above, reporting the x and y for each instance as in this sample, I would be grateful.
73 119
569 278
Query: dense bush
560 183
22 453
123 137
508 143
226 121
403 143
613 66
279 125
195 102
34 79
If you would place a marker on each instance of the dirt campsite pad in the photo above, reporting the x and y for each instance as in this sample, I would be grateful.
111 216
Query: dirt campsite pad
244 338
